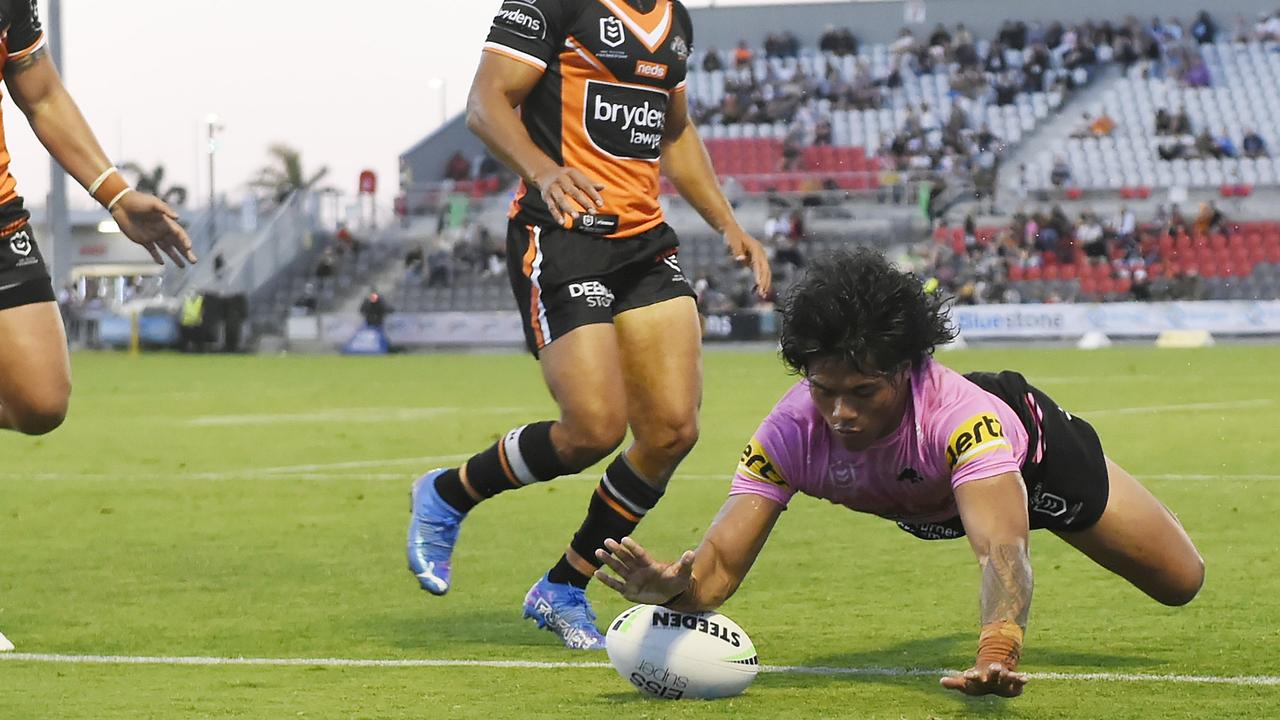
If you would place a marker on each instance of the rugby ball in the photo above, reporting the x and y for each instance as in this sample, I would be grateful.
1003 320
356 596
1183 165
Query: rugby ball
674 655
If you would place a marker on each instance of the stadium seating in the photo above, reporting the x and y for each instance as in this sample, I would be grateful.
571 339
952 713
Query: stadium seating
1245 94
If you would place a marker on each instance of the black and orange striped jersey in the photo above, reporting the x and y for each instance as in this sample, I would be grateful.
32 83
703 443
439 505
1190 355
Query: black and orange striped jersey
610 69
20 36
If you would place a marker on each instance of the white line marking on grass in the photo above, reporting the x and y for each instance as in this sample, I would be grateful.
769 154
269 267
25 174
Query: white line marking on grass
348 415
351 465
1230 405
1250 680
1208 477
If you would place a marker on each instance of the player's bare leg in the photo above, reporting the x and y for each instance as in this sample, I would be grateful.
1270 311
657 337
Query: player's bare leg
659 351
1139 539
35 371
582 371
662 364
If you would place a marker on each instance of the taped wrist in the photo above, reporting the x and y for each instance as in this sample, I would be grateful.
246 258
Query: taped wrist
1000 642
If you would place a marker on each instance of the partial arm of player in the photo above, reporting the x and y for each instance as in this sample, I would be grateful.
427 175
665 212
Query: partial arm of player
500 86
994 512
38 91
686 163
701 579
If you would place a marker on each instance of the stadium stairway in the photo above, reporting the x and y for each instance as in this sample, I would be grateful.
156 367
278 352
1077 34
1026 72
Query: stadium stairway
1066 120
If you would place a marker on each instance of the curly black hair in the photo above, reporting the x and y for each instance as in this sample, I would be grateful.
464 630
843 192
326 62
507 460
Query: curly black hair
854 305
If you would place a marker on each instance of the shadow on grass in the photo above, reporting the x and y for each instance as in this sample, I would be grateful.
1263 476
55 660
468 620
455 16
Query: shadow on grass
464 632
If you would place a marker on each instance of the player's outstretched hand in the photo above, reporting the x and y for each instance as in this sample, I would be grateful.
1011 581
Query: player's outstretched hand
568 192
995 679
748 251
641 579
148 221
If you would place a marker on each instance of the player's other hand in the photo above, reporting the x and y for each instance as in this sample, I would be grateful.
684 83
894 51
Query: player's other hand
148 221
568 193
749 252
641 579
995 679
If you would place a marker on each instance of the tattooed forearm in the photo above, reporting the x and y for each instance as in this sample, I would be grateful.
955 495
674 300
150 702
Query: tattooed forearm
1006 585
16 66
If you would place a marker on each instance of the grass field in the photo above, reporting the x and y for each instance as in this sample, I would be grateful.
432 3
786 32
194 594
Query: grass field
255 507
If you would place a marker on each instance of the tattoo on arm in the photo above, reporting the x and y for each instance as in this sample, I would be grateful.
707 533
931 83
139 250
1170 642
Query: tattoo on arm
16 66
1006 585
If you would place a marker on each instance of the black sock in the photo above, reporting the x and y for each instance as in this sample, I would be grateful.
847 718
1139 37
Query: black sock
619 503
522 457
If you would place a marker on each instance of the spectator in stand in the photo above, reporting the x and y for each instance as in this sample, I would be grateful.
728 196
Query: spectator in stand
822 132
1090 236
1181 123
1226 146
743 56
326 267
792 147
1164 122
1177 221
1210 220
1254 146
1206 146
1196 74
457 168
375 309
307 302
711 62
1103 126
414 262
1204 29
1060 175
1125 227
941 37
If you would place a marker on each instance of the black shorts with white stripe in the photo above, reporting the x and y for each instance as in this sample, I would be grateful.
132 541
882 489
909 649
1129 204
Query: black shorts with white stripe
564 279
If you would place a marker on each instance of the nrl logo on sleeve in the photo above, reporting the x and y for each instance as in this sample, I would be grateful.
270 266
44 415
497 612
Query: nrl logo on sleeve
757 465
523 19
975 437
680 47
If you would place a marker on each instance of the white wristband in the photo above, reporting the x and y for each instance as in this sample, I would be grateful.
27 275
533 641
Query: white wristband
101 179
112 205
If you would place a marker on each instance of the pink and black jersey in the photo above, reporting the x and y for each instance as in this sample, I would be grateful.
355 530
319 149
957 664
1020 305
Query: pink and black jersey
609 68
953 432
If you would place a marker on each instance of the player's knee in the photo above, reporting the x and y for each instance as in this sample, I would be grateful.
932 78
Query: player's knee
40 413
590 439
1185 585
673 437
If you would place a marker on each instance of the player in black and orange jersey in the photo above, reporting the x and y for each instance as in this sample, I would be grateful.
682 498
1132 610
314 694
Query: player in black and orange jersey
585 99
35 375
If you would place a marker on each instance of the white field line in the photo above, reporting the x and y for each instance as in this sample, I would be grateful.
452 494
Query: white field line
1193 407
348 415
407 475
1248 680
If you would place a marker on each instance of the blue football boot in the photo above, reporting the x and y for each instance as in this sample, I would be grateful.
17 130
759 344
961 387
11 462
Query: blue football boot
565 611
433 531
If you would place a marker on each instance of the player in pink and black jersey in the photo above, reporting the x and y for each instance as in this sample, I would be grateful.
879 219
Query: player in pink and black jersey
878 426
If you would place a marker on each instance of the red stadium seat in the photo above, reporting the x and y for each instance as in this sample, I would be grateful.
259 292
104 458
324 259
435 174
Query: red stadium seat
1016 273
1128 193
1227 191
1052 272
1074 193
1034 273
1243 190
1144 192
1067 272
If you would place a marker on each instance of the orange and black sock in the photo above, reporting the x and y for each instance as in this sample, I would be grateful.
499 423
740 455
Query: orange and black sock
522 457
620 501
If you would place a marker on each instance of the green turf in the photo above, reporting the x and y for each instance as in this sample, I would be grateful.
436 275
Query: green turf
147 525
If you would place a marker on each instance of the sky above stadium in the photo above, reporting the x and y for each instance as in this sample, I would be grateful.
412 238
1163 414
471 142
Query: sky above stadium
352 85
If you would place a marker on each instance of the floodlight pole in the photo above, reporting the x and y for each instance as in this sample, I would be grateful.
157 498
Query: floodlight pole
56 205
